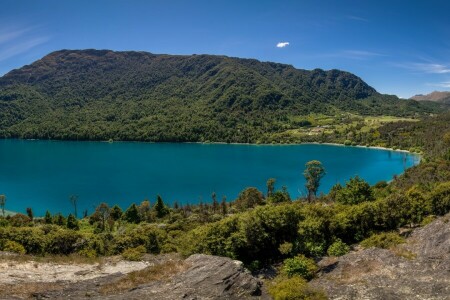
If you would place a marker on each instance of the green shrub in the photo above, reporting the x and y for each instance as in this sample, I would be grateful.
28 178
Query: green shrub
338 248
134 254
383 240
427 220
32 239
12 246
294 288
63 241
286 248
19 220
347 142
90 253
299 265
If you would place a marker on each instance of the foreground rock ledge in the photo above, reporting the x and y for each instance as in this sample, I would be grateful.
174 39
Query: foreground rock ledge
418 269
208 277
198 277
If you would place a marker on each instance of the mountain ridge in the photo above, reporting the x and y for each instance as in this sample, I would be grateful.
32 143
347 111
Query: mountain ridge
135 95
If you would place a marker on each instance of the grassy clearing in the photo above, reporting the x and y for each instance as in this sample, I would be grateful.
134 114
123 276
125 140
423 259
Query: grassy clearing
323 124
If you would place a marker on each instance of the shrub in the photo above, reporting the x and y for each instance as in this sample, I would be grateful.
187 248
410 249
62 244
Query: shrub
249 198
347 142
62 242
299 265
338 248
427 220
32 239
90 253
134 254
285 248
356 190
12 246
383 240
294 288
19 220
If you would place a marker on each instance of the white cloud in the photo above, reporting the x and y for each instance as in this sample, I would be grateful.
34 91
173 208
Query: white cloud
356 18
426 68
15 40
8 35
22 47
445 84
360 54
282 44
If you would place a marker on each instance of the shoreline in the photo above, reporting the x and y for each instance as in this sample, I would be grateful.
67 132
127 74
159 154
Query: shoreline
225 143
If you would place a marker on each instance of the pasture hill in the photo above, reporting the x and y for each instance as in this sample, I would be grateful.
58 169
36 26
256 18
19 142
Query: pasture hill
102 95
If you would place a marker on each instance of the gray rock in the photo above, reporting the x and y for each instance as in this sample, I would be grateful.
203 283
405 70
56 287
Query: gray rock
419 269
206 277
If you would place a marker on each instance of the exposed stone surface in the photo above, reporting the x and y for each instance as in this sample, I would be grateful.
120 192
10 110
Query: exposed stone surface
200 277
208 277
419 269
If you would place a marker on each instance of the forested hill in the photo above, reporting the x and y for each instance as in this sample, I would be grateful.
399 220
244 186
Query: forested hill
102 94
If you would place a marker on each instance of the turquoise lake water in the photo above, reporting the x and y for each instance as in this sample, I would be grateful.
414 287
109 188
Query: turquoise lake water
43 174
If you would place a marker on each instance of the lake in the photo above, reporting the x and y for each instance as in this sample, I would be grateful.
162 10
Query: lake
43 174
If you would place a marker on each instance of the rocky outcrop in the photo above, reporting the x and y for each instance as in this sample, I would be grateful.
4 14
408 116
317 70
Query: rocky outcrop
418 269
197 277
208 277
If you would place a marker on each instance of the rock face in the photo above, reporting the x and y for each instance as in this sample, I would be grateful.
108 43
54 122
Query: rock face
199 277
208 277
418 269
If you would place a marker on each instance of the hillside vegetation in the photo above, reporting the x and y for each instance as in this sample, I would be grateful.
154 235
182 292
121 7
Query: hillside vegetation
102 95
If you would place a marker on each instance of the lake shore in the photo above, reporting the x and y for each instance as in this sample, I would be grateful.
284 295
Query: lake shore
250 144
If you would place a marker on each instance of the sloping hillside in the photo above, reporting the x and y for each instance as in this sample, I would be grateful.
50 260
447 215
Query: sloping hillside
102 94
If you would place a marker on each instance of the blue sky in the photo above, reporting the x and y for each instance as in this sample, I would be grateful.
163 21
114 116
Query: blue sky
399 47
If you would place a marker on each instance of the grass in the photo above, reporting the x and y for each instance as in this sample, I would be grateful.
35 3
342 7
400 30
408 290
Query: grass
159 272
27 289
56 259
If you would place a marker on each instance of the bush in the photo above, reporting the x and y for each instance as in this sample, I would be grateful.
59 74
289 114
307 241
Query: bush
32 239
299 265
383 240
134 254
286 248
249 198
19 220
338 248
347 142
62 242
427 220
294 288
12 246
89 253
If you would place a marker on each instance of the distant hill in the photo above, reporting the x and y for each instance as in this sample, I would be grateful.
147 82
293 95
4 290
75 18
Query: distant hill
103 94
434 96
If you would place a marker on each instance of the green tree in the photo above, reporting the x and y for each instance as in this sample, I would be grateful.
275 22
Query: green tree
223 206
30 213
313 173
356 190
160 208
215 203
131 215
270 186
73 200
72 222
116 212
2 203
48 218
103 211
249 198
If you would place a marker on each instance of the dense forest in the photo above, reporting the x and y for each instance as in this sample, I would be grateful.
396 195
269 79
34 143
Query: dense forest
103 95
